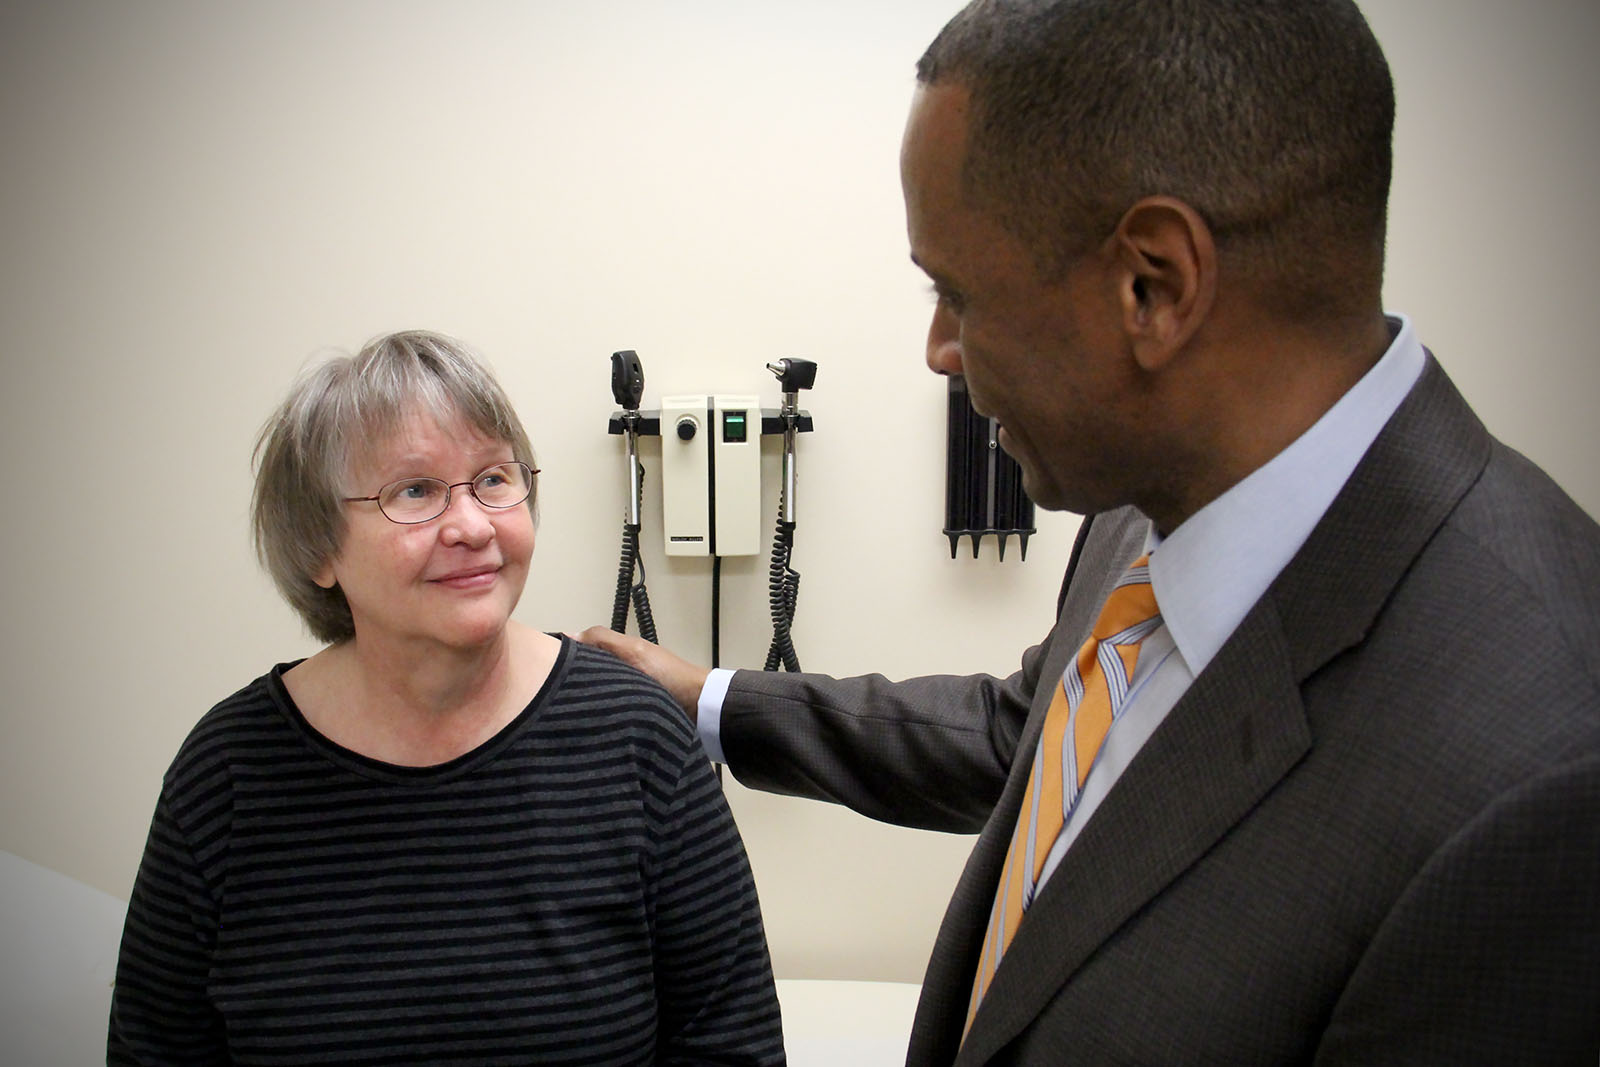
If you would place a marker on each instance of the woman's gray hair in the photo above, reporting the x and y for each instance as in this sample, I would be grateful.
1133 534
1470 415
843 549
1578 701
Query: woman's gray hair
335 410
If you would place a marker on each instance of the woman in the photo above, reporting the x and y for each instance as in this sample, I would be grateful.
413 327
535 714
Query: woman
446 836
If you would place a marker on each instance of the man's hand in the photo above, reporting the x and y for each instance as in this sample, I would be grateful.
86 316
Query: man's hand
682 679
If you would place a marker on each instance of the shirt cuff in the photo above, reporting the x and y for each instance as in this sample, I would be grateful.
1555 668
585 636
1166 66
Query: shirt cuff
708 716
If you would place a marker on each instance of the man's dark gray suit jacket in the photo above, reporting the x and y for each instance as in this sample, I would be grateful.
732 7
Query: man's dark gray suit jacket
1369 833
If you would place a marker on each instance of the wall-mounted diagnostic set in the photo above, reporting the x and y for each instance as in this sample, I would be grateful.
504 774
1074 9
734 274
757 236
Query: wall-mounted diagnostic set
711 489
711 475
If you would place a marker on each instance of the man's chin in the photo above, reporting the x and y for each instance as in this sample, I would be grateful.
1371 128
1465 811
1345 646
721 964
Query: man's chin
1031 482
1039 492
1050 495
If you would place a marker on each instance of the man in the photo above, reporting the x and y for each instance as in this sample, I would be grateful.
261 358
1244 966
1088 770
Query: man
1328 789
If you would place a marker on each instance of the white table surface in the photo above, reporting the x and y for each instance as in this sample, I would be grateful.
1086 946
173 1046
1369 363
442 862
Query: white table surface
846 1024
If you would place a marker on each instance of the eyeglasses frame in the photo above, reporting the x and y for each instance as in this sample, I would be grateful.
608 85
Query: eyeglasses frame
533 472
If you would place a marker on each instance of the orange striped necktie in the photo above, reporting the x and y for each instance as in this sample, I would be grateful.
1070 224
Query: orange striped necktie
1089 697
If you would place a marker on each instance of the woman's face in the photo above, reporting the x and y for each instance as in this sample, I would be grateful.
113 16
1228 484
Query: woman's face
448 582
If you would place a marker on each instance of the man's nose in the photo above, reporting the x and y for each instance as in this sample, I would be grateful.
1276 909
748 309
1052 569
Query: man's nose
944 342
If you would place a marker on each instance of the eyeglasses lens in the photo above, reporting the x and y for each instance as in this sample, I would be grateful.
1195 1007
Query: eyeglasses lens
414 499
503 486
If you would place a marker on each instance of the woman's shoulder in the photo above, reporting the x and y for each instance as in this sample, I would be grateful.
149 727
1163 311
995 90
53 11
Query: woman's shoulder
611 706
599 686
246 716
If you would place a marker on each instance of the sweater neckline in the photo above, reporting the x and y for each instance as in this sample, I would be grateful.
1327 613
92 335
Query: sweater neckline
370 767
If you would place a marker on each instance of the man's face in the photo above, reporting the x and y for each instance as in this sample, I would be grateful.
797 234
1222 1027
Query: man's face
1041 355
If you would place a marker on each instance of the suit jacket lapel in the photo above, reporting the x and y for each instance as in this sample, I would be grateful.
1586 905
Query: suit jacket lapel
1245 708
1105 547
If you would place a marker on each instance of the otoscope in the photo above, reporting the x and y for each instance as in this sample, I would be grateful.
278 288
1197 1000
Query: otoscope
627 387
783 580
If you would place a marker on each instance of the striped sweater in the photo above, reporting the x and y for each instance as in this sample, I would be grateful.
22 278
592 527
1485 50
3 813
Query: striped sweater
573 891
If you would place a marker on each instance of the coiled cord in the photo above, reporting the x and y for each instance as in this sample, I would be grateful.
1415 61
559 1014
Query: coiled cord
783 588
630 591
625 568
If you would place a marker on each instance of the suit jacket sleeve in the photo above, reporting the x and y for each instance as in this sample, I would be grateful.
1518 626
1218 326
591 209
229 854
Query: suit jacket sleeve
928 752
932 752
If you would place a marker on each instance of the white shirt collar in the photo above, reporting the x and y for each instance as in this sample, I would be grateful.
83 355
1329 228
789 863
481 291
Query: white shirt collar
1216 565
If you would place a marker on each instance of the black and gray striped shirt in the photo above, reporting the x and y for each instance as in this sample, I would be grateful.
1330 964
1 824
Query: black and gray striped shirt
572 891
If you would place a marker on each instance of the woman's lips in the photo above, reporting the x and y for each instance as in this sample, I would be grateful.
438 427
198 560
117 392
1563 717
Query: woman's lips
470 578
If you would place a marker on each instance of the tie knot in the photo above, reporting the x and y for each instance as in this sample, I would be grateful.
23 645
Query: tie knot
1131 603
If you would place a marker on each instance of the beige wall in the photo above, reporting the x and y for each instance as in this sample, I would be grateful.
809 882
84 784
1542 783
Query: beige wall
197 197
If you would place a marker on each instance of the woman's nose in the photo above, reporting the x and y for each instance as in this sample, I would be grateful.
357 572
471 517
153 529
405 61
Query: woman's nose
465 520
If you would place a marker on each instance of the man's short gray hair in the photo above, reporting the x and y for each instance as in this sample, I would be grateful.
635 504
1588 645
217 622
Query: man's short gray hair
1273 119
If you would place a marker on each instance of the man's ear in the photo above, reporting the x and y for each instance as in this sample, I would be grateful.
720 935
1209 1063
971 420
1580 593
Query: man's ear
1167 281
